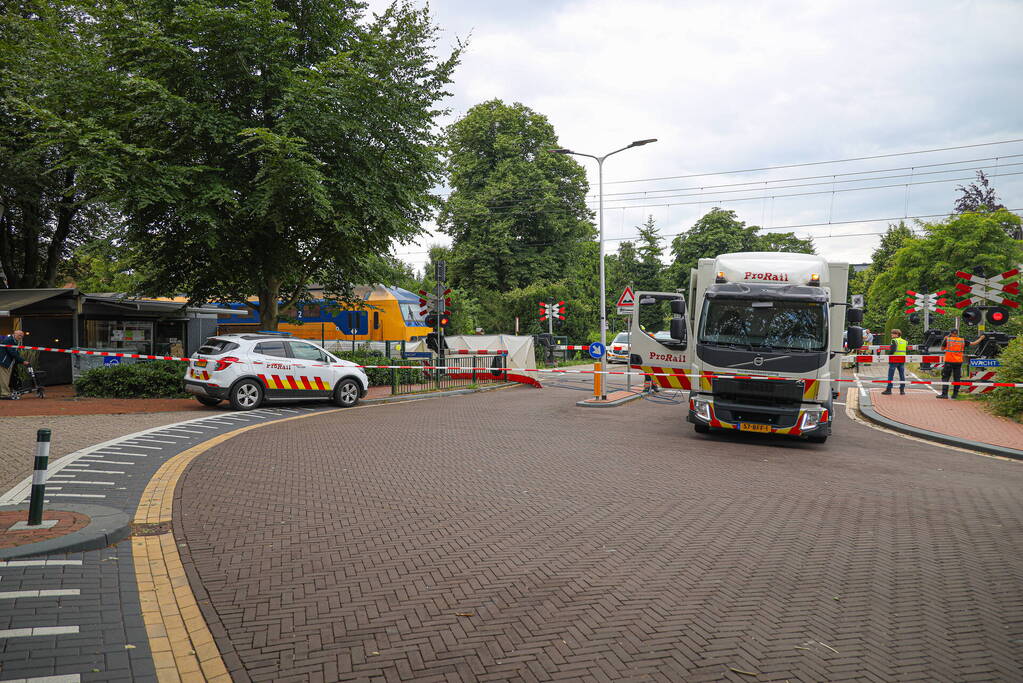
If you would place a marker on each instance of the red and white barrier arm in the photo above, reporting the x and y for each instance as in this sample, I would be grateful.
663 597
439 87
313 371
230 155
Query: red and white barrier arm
894 359
463 352
83 352
560 371
572 348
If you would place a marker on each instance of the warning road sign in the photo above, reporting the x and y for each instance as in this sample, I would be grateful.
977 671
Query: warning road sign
627 301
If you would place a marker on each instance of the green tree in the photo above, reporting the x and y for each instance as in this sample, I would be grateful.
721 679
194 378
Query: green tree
515 210
303 134
894 238
63 151
929 263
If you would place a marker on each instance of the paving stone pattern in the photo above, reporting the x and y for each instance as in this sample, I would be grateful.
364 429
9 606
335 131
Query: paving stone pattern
513 536
70 433
965 419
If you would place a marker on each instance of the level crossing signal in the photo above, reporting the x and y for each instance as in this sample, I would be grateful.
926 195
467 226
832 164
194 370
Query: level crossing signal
551 310
922 301
978 288
435 303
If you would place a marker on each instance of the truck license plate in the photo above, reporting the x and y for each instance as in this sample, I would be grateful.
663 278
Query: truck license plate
746 427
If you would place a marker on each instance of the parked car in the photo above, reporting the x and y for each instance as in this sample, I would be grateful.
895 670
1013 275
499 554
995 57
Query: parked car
248 369
618 349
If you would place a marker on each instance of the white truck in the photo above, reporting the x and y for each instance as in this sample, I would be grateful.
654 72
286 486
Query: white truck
772 324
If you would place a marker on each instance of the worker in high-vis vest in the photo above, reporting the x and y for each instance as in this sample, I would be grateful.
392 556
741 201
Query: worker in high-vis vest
955 350
898 348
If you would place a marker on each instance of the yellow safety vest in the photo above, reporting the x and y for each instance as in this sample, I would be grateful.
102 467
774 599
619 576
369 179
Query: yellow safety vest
901 345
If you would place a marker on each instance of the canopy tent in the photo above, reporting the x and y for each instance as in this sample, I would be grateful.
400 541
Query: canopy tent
519 348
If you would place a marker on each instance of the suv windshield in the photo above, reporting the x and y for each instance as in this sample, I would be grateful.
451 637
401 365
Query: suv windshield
793 325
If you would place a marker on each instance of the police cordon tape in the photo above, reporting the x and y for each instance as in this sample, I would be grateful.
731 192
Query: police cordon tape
462 369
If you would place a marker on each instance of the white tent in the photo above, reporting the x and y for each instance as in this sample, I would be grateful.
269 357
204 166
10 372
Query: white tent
519 348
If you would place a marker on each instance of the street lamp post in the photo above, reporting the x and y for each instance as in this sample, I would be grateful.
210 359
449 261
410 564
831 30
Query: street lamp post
599 384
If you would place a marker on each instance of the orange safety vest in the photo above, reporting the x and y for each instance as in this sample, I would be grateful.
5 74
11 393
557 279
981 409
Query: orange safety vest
954 347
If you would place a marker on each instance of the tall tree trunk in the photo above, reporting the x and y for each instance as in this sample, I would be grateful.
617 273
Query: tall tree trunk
269 309
65 219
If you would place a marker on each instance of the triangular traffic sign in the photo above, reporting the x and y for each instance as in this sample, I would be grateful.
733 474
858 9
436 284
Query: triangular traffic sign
627 298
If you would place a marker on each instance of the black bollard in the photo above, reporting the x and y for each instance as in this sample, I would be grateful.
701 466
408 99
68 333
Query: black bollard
35 507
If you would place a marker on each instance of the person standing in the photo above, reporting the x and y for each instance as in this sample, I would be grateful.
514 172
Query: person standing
954 346
899 348
8 359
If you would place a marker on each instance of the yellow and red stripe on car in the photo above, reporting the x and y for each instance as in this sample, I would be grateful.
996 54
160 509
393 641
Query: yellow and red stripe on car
199 374
300 382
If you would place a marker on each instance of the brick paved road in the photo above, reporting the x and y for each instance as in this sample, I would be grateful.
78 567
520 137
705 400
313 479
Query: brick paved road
511 535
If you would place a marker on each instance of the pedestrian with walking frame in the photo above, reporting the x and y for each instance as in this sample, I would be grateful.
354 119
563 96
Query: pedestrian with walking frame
955 347
8 359
899 348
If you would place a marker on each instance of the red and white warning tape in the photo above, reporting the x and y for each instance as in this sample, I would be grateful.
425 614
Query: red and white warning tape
479 352
572 348
562 371
894 359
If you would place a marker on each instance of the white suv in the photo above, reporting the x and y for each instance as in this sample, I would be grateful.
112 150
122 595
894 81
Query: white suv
247 369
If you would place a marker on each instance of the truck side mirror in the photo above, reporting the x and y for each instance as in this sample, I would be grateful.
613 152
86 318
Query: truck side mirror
678 307
678 329
854 315
855 336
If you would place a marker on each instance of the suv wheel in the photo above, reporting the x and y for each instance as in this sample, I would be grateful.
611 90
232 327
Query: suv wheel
208 400
346 393
246 395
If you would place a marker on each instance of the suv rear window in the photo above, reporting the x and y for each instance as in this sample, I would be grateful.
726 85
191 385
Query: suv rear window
272 348
217 347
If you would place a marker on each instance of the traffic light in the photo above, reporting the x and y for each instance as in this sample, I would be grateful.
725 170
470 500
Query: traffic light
996 315
914 318
972 315
432 342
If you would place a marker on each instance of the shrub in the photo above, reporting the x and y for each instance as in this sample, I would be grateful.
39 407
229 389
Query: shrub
1008 401
382 376
152 379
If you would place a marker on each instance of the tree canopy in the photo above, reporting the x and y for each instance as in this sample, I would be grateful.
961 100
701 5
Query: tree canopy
516 212
300 136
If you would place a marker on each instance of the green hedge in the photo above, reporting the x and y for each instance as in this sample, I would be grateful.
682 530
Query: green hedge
1005 400
152 379
381 377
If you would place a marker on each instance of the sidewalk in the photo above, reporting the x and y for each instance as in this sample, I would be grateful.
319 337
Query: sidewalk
961 422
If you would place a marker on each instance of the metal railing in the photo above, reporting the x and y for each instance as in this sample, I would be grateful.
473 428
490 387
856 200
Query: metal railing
448 372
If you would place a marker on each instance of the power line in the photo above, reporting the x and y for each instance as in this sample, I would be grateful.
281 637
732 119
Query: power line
817 163
776 228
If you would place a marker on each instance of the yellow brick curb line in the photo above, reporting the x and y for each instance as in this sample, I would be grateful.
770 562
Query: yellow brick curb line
182 645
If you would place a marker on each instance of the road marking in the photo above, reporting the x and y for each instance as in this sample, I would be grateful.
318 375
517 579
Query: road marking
41 563
91 471
179 429
63 678
928 386
38 631
132 455
17 595
149 439
104 462
78 481
129 444
79 495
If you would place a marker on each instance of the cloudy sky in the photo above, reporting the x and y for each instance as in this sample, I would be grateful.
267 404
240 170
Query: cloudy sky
730 86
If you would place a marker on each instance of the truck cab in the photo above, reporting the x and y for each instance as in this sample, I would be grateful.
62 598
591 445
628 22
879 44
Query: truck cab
767 330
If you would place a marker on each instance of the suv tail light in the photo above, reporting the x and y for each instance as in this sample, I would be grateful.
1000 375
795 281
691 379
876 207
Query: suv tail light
224 363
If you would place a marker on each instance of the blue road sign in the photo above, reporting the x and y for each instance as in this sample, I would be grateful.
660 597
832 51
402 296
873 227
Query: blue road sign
985 363
418 354
597 350
111 360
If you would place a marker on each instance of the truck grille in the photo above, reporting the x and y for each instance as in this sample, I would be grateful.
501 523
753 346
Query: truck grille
765 392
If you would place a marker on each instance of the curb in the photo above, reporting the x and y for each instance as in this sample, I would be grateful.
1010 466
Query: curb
434 394
866 409
609 404
106 526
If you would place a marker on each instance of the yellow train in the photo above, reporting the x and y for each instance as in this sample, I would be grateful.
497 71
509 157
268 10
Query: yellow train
385 314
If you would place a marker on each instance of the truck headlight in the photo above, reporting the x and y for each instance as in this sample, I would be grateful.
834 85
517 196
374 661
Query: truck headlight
812 418
701 407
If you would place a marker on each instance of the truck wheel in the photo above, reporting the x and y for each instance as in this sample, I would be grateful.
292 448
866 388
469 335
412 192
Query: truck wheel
817 439
346 394
246 395
208 400
701 428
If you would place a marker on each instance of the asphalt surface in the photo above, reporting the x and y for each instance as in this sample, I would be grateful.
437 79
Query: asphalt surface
510 535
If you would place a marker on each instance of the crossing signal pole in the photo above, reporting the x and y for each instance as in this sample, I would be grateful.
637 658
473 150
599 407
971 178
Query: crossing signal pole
551 312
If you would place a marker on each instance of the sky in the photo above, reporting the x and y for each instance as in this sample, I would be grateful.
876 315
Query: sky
731 86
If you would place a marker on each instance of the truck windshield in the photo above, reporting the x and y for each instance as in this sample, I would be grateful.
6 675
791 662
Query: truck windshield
793 325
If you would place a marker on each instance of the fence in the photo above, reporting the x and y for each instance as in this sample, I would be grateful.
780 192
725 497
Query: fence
457 372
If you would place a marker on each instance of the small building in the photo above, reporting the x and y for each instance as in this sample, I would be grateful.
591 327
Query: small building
68 318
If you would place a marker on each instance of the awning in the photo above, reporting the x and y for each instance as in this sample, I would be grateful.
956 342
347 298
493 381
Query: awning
13 299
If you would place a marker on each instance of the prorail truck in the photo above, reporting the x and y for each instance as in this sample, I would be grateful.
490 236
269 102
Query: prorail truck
774 319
